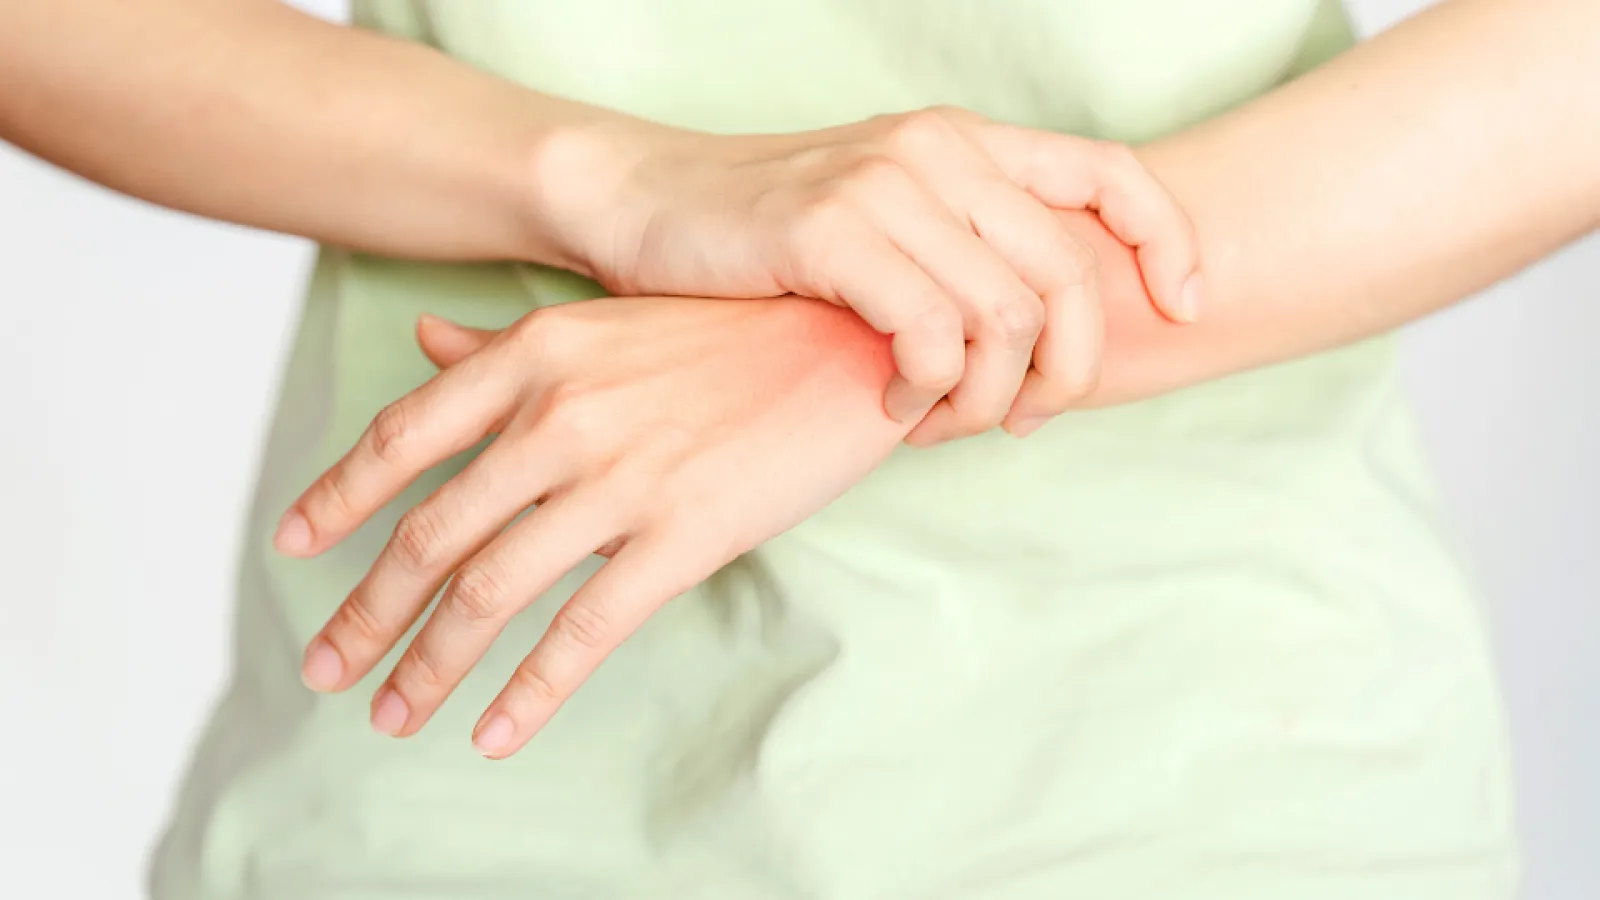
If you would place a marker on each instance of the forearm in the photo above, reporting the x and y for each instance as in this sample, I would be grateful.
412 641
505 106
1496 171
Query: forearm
1401 177
252 112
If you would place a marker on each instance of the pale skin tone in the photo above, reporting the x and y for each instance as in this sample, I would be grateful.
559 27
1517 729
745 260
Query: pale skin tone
251 111
1402 177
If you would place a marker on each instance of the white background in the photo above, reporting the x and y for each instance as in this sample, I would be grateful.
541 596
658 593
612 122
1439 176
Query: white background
138 353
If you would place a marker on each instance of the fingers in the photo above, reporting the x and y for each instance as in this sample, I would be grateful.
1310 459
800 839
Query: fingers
1067 172
643 576
1062 273
446 343
430 542
1067 356
1059 379
496 584
896 297
449 414
1001 314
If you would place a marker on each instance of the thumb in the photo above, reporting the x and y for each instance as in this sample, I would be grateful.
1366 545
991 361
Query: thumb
445 343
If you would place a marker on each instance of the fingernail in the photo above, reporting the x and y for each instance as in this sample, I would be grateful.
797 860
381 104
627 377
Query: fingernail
922 434
294 533
1027 425
436 322
389 712
323 667
1189 302
901 402
494 737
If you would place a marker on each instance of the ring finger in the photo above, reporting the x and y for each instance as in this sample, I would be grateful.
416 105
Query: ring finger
428 543
1002 315
501 580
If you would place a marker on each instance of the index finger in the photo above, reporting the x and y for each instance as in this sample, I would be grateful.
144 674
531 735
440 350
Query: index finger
897 297
448 414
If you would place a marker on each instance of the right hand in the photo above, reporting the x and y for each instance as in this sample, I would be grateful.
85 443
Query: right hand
672 434
934 226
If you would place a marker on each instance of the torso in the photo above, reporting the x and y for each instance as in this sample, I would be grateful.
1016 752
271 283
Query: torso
1209 645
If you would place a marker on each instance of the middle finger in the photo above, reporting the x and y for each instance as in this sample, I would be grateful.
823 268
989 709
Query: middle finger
1001 313
1062 271
500 581
429 542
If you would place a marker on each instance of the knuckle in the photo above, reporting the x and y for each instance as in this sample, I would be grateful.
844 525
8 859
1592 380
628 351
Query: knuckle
936 320
922 132
392 433
939 378
822 209
478 595
581 626
530 680
418 540
543 335
1017 321
531 329
423 669
334 493
871 178
573 420
354 624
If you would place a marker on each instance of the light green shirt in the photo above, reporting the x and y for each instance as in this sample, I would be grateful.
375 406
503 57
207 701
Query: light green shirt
1211 645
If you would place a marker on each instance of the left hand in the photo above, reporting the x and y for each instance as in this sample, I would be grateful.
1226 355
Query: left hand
939 227
639 426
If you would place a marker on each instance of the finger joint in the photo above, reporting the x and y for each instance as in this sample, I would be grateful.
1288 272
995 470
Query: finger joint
1018 321
533 682
392 434
581 626
477 595
418 541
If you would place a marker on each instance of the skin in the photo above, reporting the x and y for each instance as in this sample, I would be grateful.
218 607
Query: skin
1407 174
251 111
646 455
1402 177
914 207
1293 266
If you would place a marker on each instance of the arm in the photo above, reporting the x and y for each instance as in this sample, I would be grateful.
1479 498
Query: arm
250 111
229 109
1407 174
1334 208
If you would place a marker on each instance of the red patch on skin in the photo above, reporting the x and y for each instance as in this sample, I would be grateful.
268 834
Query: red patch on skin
867 355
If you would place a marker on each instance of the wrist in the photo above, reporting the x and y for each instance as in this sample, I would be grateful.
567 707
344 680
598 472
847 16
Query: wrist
576 197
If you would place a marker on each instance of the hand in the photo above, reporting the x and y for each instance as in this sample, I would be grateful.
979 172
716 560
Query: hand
645 427
935 226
